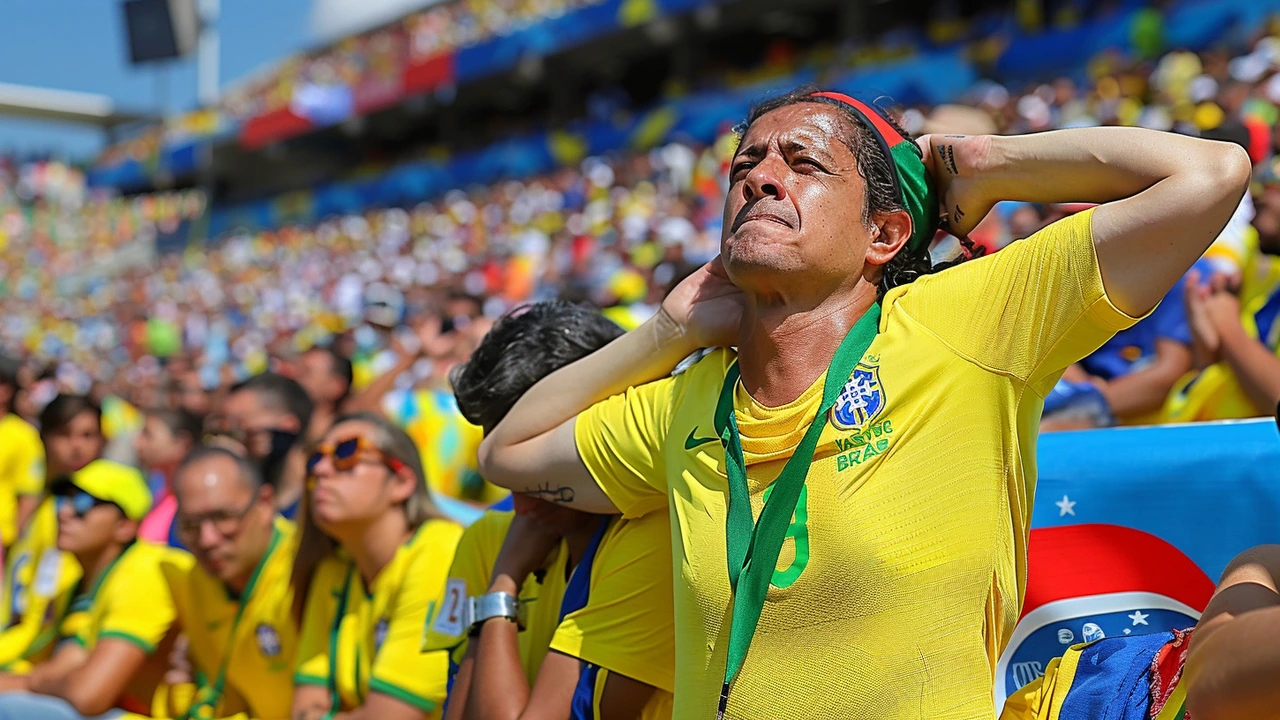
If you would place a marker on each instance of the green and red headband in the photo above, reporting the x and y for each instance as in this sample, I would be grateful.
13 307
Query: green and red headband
910 179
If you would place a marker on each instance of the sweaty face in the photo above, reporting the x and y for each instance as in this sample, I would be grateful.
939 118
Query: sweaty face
72 447
221 519
793 215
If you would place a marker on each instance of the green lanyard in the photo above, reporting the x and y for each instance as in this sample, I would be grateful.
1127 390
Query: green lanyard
206 704
335 697
753 547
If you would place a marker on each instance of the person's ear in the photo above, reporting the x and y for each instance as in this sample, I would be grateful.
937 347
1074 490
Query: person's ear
890 232
267 495
403 484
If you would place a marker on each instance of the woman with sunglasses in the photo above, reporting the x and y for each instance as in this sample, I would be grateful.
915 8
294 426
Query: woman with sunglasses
374 551
36 573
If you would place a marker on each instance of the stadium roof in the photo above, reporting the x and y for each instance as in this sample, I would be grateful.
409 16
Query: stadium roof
63 105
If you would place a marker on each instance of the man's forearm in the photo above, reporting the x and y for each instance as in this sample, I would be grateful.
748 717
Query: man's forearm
499 689
647 353
1231 675
1088 164
1256 367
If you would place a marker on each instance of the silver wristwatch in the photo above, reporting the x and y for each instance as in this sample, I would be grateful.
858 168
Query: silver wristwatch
497 604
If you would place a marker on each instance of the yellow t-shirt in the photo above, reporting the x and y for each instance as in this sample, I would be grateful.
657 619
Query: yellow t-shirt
21 471
904 570
624 625
258 679
469 576
131 602
39 583
379 628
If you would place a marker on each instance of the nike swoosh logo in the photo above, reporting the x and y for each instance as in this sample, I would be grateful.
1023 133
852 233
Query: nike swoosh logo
692 442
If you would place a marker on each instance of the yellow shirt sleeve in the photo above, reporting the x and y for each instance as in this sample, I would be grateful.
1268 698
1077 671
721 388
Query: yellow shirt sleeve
29 465
400 669
1029 310
312 663
620 441
140 609
468 577
628 624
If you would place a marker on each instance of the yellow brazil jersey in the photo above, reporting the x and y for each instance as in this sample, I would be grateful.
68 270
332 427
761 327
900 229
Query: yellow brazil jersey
903 572
620 620
39 583
21 471
131 601
376 631
255 663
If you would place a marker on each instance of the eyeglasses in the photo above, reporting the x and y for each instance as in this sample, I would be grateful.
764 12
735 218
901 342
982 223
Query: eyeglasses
80 502
225 522
346 455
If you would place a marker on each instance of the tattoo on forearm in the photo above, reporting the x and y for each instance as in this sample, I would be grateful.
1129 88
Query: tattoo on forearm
947 154
562 495
958 215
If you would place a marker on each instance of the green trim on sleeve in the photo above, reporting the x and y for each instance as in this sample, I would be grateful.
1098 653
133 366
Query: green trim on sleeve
147 647
386 688
305 679
78 640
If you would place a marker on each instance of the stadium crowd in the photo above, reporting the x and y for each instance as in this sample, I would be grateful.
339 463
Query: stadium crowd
230 477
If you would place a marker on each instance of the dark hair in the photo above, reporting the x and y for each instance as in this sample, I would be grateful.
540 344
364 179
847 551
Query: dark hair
876 169
339 365
180 422
9 377
61 410
523 347
249 472
281 394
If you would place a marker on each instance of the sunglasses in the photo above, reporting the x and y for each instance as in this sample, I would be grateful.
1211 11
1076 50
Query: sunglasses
80 502
347 454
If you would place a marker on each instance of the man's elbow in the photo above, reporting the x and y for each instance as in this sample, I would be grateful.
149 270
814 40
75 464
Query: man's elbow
1228 171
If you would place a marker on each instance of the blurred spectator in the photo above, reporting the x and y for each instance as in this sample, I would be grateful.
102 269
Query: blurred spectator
168 434
21 458
327 377
269 415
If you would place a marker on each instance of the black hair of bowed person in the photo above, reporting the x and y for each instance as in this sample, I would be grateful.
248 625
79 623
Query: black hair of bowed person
524 346
877 171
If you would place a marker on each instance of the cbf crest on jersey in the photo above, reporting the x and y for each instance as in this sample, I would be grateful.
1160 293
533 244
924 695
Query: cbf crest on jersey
860 400
268 640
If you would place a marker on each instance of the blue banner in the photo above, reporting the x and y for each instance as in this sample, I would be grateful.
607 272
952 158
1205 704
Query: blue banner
1132 527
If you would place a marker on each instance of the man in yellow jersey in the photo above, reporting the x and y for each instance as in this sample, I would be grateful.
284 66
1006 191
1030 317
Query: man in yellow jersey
234 606
40 579
881 425
21 457
118 654
593 634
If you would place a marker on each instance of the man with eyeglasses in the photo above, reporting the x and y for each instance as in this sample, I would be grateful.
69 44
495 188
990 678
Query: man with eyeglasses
234 605
116 635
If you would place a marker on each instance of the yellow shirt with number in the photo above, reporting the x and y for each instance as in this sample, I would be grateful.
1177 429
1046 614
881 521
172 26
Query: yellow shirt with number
39 581
625 626
131 601
379 628
259 671
903 573
21 471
